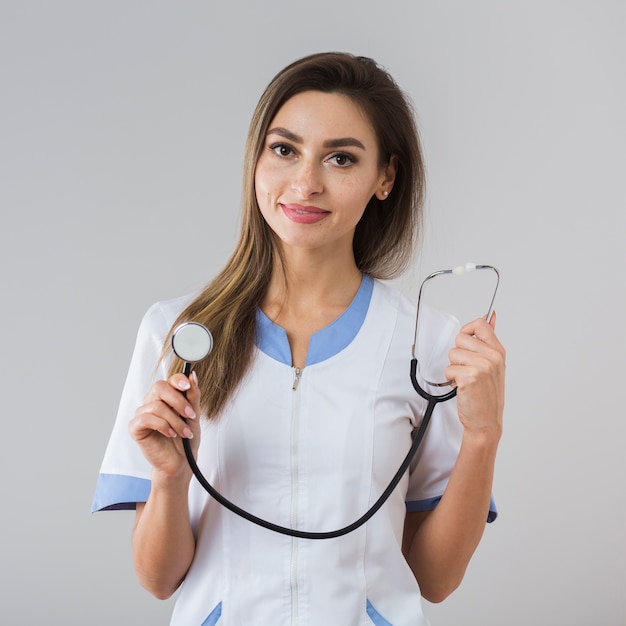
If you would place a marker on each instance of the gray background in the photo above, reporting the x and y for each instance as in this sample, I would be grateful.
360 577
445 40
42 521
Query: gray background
121 138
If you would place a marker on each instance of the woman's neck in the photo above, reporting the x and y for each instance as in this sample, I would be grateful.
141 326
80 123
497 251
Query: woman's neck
301 282
304 297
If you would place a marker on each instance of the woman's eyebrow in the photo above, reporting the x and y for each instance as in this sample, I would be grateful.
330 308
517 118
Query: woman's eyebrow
287 134
342 142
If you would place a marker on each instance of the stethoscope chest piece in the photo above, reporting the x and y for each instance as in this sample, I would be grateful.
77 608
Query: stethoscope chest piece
191 342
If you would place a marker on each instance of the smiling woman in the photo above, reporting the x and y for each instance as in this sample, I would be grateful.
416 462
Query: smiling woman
304 409
320 169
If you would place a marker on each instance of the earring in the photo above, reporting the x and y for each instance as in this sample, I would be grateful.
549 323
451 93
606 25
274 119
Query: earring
385 193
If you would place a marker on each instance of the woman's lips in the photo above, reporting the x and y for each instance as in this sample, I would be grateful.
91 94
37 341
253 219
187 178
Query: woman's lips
304 214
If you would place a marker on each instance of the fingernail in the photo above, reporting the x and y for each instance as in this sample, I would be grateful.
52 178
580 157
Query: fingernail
187 433
184 384
189 412
194 378
172 432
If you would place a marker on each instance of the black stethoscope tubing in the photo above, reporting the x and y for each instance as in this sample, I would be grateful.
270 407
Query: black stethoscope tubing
303 534
432 402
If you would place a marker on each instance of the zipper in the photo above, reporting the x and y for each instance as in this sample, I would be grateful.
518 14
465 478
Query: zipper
295 618
296 378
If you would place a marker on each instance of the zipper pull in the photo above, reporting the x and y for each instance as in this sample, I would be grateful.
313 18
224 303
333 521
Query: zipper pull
296 380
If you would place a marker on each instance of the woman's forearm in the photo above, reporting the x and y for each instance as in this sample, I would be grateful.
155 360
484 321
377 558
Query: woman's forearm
443 544
163 541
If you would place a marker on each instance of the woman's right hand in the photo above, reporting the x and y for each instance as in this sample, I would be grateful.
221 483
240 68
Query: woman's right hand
159 429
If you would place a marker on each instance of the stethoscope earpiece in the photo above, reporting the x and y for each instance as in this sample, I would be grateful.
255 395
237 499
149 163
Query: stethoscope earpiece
459 270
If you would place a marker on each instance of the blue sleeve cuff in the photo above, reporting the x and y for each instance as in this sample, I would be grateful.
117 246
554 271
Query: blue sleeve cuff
115 492
430 503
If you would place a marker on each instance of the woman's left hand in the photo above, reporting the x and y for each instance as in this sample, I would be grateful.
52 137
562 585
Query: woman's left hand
477 365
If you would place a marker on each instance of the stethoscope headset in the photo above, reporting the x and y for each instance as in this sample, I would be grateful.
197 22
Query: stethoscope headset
192 342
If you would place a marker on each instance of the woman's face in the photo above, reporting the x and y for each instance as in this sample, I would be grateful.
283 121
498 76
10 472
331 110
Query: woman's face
318 170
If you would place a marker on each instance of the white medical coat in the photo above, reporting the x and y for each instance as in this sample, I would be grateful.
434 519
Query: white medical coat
313 458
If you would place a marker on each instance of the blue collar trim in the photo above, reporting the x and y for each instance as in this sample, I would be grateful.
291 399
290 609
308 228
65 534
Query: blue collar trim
272 339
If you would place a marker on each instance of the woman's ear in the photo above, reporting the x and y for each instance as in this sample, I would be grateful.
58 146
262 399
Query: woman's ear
388 179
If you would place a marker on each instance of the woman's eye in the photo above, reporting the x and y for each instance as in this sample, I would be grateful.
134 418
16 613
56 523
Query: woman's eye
281 150
342 159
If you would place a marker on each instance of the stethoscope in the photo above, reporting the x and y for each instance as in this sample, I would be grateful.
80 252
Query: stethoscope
192 342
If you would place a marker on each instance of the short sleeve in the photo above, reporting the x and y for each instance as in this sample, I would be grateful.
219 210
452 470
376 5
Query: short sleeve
431 468
124 477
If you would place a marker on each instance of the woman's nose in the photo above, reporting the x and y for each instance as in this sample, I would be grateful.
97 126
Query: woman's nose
307 180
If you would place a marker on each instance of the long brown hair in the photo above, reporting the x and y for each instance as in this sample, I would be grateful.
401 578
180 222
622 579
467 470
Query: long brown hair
384 237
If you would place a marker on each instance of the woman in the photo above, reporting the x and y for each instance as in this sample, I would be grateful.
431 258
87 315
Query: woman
304 410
